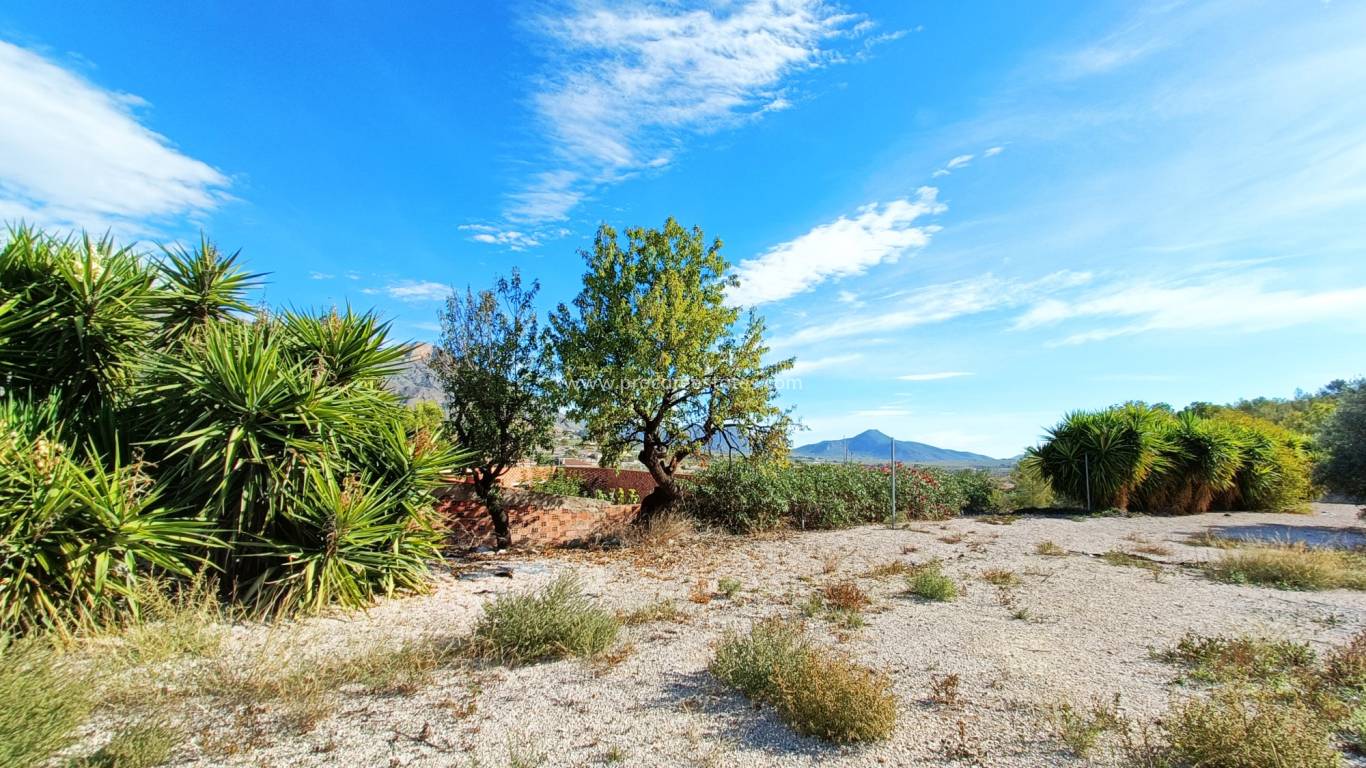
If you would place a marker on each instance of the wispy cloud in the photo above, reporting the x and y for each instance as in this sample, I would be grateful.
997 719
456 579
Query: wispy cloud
630 81
936 304
73 154
880 413
958 162
1231 299
511 238
993 151
936 376
320 276
846 246
414 290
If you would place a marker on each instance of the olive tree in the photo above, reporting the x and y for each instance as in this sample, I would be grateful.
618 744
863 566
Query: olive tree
497 371
653 356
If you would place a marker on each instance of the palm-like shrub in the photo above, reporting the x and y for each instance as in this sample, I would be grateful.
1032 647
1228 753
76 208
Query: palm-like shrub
76 537
81 317
1139 457
149 425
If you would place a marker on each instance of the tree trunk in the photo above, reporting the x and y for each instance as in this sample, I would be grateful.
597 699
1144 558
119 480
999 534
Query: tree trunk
487 489
666 488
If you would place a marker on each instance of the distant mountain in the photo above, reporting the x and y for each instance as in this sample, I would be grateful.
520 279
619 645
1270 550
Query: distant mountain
417 382
874 447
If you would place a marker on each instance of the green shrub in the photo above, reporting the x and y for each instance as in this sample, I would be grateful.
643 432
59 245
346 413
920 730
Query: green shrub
748 496
930 582
1243 659
814 691
753 663
558 483
551 623
1028 489
1242 728
981 492
42 701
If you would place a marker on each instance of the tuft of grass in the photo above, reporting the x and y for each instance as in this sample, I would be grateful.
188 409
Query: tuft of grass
1242 659
1080 728
659 610
830 562
930 582
142 745
1246 728
1129 560
660 530
171 622
728 587
890 569
1049 549
951 538
300 690
554 622
1001 577
42 701
816 692
1291 566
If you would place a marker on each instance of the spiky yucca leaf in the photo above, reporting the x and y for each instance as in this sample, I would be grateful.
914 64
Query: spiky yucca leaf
200 286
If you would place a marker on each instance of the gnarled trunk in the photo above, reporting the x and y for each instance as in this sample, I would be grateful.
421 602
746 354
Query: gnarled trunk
487 489
666 488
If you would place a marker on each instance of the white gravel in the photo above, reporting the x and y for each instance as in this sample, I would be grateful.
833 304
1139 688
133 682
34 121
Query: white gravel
1091 626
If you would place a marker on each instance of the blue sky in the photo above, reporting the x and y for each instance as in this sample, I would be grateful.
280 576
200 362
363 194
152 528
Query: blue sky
963 219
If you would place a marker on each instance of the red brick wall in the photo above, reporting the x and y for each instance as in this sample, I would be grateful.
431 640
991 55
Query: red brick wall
535 519
604 478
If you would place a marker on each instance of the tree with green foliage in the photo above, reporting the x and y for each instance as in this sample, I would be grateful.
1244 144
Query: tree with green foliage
651 356
1342 442
496 367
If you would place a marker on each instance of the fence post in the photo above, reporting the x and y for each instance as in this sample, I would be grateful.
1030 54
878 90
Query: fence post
894 481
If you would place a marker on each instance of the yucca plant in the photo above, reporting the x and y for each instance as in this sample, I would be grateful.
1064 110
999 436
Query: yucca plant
1110 452
1150 459
344 541
200 286
1202 458
76 537
80 319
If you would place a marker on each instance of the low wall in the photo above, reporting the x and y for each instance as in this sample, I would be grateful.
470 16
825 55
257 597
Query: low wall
593 478
535 519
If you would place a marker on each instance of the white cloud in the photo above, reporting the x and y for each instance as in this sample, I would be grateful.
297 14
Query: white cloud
415 290
940 172
936 376
958 162
630 80
993 151
511 238
320 276
74 155
846 246
1227 299
936 304
804 366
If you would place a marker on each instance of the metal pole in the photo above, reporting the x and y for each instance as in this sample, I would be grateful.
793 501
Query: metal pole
894 481
1086 462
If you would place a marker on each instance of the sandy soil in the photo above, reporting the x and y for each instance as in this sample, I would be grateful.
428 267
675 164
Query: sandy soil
1088 634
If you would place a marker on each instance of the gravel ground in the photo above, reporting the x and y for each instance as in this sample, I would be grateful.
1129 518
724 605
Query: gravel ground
1088 632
